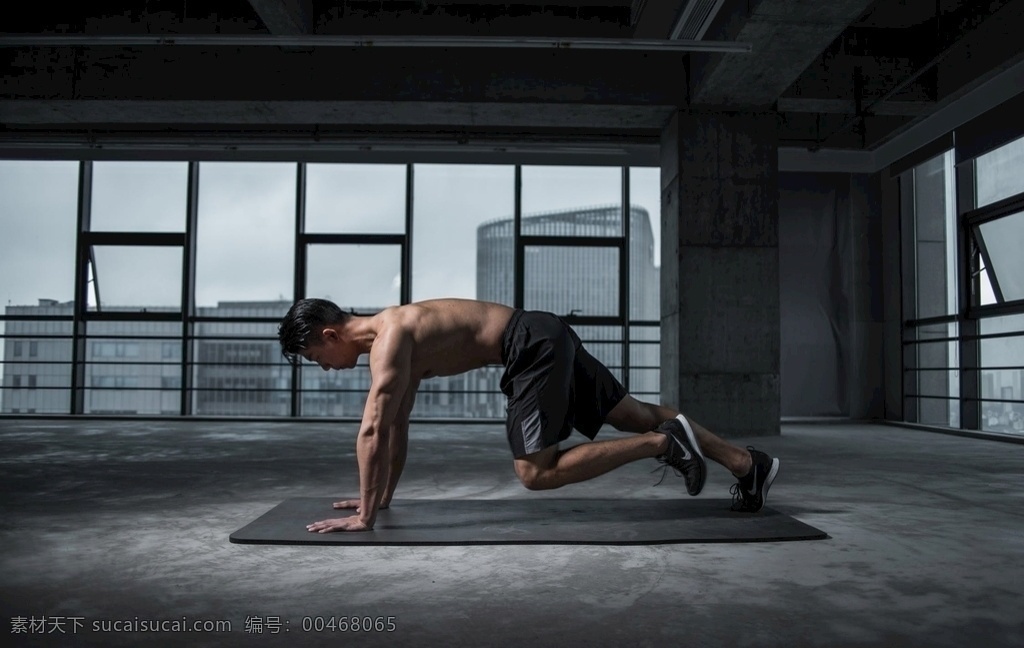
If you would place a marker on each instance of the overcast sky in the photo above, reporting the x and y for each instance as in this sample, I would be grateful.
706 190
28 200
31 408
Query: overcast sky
246 231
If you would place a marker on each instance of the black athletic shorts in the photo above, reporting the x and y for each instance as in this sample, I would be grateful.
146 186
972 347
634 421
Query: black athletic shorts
552 383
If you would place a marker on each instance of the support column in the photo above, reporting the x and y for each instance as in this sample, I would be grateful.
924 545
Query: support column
720 271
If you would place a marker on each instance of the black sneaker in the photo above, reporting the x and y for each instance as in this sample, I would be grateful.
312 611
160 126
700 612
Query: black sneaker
750 493
684 453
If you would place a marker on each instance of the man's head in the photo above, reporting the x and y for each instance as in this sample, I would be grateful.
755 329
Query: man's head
314 329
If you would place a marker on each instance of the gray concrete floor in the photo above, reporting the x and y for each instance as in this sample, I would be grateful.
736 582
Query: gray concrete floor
117 520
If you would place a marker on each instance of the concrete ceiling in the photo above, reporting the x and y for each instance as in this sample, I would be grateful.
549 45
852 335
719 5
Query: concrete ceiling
848 74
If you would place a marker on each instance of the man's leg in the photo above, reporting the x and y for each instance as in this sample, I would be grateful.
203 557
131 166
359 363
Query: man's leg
553 468
755 470
631 415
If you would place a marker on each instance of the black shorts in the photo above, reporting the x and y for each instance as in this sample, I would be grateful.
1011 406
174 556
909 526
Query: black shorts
552 383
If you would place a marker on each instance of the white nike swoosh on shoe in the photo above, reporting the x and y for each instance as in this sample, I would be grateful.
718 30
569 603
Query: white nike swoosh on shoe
687 455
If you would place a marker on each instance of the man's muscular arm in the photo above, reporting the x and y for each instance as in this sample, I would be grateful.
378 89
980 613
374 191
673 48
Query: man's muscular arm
398 445
390 360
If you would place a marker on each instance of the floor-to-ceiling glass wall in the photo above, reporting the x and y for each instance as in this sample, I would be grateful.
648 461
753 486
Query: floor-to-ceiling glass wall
963 289
184 270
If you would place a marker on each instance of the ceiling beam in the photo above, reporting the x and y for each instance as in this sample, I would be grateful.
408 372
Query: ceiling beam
367 42
358 74
849 107
786 36
33 114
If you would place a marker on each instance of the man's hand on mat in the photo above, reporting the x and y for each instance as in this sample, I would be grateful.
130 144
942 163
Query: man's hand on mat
338 524
354 504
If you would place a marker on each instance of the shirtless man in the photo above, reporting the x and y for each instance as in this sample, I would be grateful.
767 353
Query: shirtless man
553 385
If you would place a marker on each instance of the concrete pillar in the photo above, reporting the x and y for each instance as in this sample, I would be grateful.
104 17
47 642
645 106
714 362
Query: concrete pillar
720 271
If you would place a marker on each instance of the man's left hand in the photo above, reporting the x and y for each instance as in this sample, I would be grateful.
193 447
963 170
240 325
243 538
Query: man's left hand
352 523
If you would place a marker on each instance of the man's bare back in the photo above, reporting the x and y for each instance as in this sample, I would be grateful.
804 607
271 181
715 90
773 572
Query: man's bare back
450 336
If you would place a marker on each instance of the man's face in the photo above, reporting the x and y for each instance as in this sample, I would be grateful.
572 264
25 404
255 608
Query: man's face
332 352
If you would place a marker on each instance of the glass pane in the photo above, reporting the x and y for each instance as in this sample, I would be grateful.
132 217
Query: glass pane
572 280
1003 239
474 394
36 362
239 370
495 278
938 375
364 278
645 362
572 201
645 384
937 383
238 367
1000 173
596 221
1003 324
986 294
645 333
135 277
38 216
133 368
936 411
1006 383
246 233
935 238
334 393
167 331
355 198
1005 418
1002 384
645 243
139 196
462 238
591 334
147 278
644 355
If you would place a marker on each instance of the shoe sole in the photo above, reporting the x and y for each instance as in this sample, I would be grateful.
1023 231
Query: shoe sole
768 482
696 449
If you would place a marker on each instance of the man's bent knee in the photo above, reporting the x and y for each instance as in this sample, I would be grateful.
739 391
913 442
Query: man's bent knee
536 470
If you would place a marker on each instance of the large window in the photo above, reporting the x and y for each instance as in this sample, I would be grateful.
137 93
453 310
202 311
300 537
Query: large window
184 270
964 292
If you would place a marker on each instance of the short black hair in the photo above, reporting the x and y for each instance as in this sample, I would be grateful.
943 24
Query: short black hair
301 326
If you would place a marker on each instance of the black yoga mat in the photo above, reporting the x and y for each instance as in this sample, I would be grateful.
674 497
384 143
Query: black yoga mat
530 521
